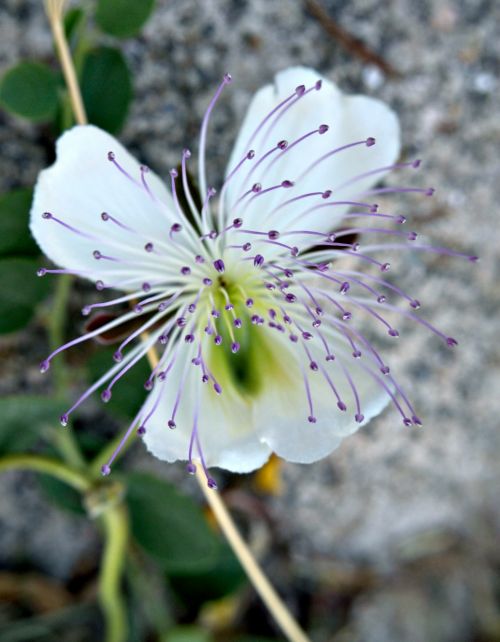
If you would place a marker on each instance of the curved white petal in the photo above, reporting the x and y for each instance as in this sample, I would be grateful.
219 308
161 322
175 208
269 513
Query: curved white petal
282 414
83 183
225 425
350 119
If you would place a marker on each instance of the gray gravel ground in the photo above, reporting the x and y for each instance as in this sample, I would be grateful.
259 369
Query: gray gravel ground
418 508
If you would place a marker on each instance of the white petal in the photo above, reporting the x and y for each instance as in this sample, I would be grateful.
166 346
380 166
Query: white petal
282 414
82 184
226 429
350 119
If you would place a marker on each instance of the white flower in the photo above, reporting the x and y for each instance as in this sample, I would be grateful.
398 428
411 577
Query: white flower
246 296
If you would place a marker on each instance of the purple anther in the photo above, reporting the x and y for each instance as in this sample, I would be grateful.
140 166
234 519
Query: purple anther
401 220
407 422
300 90
207 281
246 247
176 227
385 369
199 259
181 322
118 356
451 342
294 338
106 395
185 270
385 267
217 388
412 236
63 420
322 129
228 78
473 259
251 154
307 336
237 222
416 163
171 424
374 208
415 304
105 216
331 237
189 338
111 156
148 384
258 260
211 483
330 357
138 308
228 306
417 421
430 191
215 314
46 215
235 346
255 319
370 141
249 303
146 287
105 469
311 419
326 194
86 310
314 366
191 468
392 332
217 339
149 247
291 298
174 173
344 287
318 84
347 316
294 251
273 235
219 265
256 188
341 406
41 272
237 323
283 144
381 299
99 285
96 254
355 247
359 417
141 431
286 183
186 153
357 354
316 323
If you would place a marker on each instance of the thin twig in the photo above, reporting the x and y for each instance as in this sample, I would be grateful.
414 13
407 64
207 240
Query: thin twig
350 43
264 588
55 12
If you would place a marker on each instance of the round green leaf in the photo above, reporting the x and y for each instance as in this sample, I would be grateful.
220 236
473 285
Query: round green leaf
169 525
22 291
30 90
14 218
122 18
106 88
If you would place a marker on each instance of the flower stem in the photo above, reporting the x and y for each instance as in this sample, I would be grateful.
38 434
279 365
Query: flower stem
115 523
271 599
55 12
46 465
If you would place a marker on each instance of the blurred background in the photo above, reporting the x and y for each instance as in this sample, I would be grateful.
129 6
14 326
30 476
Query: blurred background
392 538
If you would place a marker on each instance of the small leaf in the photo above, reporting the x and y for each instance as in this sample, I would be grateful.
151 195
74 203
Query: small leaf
106 88
74 21
60 494
188 634
22 291
128 393
23 418
122 18
30 90
14 217
169 525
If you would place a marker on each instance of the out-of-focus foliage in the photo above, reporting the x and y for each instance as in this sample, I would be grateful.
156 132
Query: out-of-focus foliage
123 18
30 89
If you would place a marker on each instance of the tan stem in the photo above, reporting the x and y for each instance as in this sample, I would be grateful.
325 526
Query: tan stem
55 9
262 585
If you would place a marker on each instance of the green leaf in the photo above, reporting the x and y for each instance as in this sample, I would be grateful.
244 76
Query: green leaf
15 237
188 634
23 418
169 525
74 21
60 494
128 393
223 578
30 90
22 291
106 88
123 18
